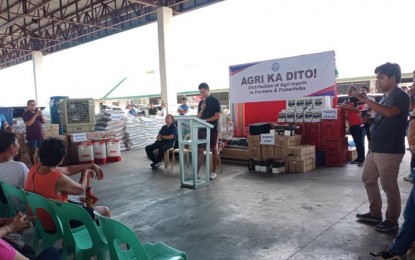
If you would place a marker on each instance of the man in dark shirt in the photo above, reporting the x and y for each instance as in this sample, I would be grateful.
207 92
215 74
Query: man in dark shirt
33 119
386 148
152 111
209 110
165 141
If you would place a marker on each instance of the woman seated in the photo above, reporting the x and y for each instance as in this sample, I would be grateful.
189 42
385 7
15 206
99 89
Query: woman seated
51 181
8 252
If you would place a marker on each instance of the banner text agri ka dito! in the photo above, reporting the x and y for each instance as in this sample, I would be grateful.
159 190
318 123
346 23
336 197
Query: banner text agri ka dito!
282 79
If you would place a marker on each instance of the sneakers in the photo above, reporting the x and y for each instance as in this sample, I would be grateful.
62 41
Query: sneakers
385 254
368 218
359 162
386 226
155 165
212 175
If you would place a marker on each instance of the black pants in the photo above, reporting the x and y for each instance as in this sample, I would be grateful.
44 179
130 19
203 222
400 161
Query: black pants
161 146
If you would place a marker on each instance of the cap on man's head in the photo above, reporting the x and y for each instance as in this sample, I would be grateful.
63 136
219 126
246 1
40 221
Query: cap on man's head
203 85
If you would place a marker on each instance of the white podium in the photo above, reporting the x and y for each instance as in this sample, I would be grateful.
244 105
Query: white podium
188 138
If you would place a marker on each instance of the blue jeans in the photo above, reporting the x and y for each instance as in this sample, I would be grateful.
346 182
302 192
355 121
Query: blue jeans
358 135
406 235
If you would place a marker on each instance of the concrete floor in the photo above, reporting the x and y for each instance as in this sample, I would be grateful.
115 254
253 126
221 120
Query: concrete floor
243 215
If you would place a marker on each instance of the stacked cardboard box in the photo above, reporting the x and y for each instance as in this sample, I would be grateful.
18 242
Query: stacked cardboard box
302 158
50 130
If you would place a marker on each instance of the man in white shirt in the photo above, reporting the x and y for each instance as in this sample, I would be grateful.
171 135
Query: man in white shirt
11 171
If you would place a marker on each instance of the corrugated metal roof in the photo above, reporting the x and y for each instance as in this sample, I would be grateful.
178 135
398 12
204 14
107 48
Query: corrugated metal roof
52 25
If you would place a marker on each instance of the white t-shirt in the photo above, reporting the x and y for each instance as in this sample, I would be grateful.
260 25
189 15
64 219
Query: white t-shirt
14 173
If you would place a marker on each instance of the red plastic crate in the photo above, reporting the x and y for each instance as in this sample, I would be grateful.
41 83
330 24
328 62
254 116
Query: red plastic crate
333 128
313 129
335 144
337 159
313 140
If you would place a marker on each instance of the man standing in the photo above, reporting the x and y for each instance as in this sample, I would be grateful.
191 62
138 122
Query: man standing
152 111
33 119
164 141
184 107
209 110
353 117
386 148
10 171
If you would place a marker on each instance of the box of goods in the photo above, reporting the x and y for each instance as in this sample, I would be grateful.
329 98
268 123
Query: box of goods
335 159
282 116
302 166
236 153
289 116
281 152
308 116
291 104
302 152
265 168
316 116
254 140
21 139
299 104
351 154
321 102
267 152
287 141
333 128
308 102
259 128
299 117
277 170
254 153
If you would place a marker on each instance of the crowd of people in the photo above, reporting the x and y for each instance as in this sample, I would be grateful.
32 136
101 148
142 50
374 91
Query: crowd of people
385 123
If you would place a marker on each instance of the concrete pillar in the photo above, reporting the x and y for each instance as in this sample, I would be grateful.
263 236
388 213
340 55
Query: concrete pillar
168 93
37 57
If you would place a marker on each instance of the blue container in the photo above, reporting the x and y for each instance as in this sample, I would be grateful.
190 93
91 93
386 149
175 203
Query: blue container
54 108
8 114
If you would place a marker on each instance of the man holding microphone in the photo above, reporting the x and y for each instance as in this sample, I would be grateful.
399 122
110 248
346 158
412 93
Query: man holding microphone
209 110
33 119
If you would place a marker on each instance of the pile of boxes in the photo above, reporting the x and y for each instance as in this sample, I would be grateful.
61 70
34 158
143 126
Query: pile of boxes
285 154
306 109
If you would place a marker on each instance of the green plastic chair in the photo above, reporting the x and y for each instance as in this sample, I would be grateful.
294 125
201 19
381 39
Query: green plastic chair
4 207
16 199
84 241
38 202
124 244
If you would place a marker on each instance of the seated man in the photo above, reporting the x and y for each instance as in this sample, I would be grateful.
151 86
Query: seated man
51 181
165 141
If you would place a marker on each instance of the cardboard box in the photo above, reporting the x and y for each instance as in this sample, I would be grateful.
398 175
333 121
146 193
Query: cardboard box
299 104
235 153
254 153
287 141
303 152
280 152
316 116
352 154
254 140
267 152
308 116
289 116
308 102
301 166
266 168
